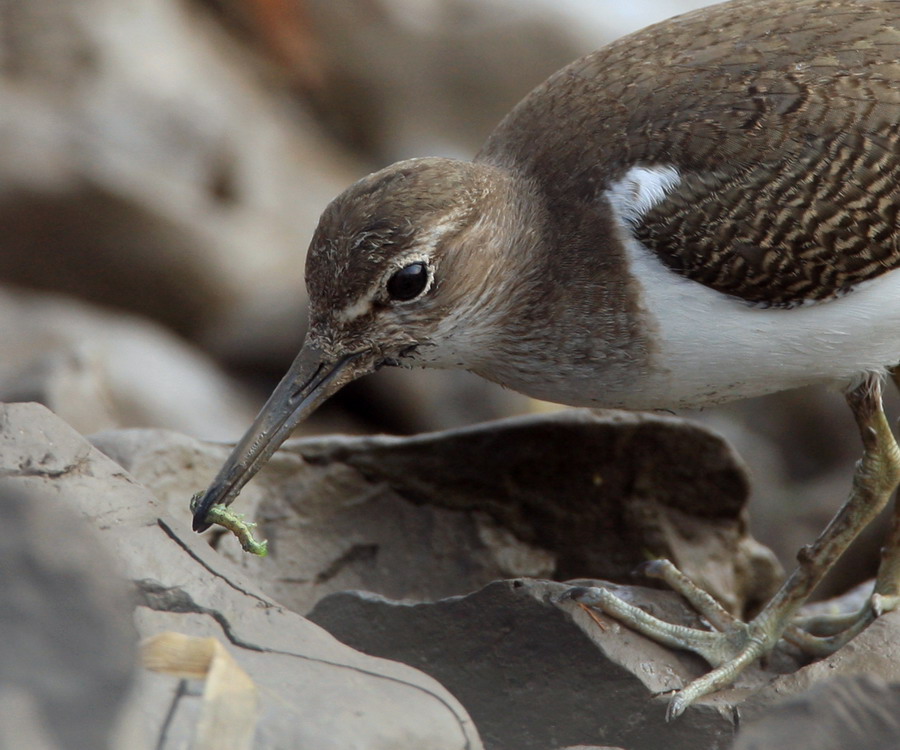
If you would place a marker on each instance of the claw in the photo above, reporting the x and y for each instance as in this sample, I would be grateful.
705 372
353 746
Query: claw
677 706
650 569
580 594
882 604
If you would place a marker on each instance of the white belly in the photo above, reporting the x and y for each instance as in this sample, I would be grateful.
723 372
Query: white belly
712 348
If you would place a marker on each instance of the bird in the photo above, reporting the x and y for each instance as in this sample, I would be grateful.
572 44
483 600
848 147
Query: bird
703 211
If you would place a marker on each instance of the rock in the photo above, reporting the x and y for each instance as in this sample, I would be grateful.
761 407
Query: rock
177 185
635 486
345 532
313 691
845 712
875 653
430 79
67 647
534 674
568 494
98 370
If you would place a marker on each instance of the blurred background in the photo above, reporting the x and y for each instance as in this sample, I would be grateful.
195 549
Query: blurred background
163 164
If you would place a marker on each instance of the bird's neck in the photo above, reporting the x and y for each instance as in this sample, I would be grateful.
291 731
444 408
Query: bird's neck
560 268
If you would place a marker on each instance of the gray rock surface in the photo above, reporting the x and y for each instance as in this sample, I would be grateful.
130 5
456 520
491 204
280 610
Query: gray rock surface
437 515
537 675
99 370
147 167
844 712
874 653
67 646
565 679
329 528
531 672
313 691
602 491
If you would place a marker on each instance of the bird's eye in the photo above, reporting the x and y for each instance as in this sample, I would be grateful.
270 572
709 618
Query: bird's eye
408 283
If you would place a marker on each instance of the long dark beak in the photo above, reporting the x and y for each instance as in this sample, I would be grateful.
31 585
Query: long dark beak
311 379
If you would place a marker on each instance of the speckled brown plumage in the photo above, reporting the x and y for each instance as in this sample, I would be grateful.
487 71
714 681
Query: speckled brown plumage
752 148
787 142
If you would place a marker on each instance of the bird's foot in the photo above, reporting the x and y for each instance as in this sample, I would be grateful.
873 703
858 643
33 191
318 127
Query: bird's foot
729 646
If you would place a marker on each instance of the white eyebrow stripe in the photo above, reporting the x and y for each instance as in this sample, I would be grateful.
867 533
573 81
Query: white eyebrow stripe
436 232
427 240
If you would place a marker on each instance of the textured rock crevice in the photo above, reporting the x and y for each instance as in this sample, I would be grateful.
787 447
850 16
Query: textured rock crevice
531 672
339 698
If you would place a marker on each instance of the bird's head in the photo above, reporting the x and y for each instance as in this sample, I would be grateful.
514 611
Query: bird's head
394 255
402 270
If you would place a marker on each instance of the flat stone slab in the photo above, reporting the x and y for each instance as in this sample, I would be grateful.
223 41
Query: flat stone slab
508 663
563 495
67 643
858 711
313 691
535 673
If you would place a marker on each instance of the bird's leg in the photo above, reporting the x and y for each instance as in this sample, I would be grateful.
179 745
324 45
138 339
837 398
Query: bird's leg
887 583
736 644
821 635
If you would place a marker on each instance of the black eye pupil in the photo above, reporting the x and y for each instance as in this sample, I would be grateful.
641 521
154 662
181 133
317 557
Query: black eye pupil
408 283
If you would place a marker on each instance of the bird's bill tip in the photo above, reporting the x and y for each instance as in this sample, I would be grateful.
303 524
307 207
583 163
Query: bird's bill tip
312 379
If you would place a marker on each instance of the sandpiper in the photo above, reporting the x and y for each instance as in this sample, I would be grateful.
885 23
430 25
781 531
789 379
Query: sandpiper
702 211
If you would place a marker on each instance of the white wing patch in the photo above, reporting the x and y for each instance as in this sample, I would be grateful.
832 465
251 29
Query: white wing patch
711 348
640 190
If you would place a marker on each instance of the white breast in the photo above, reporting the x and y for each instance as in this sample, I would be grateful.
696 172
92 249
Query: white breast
711 348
